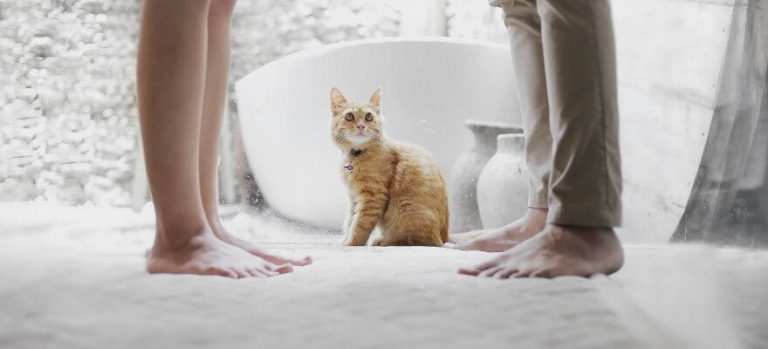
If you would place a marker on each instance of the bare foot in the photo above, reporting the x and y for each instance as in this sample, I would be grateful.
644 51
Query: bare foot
204 254
220 232
508 236
556 251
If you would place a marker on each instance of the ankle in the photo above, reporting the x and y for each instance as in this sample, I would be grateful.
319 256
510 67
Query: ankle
217 227
179 238
536 217
582 228
593 236
536 213
212 217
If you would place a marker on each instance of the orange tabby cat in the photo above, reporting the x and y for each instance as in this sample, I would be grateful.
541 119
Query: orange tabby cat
394 185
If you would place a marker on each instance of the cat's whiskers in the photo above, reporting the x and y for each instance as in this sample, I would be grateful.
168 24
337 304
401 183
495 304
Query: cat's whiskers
374 166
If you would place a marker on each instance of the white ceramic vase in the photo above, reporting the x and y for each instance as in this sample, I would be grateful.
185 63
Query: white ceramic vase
466 170
502 188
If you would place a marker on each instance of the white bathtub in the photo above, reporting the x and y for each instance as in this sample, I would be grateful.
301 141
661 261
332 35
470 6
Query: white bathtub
430 86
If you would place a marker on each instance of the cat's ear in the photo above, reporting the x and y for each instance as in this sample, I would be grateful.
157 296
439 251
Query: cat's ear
376 98
337 101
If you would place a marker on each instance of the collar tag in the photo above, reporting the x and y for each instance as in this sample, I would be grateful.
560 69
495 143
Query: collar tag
353 153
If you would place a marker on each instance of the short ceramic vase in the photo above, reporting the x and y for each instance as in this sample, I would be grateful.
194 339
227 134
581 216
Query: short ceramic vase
502 188
466 170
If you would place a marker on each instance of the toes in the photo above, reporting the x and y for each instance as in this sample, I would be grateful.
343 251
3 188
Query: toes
255 273
487 265
480 268
469 271
279 260
542 273
491 272
522 274
242 273
267 270
470 245
506 273
307 260
269 273
220 272
484 244
284 260
458 246
279 269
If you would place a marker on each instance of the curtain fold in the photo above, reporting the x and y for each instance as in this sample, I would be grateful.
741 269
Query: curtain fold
729 199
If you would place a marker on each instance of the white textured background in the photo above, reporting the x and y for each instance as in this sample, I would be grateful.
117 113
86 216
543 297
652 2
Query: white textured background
67 79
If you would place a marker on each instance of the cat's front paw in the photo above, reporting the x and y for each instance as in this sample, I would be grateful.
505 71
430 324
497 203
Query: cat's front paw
355 242
349 241
378 242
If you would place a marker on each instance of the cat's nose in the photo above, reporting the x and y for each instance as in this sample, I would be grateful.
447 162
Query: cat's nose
361 127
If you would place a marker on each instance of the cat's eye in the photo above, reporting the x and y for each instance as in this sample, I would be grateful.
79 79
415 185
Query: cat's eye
369 117
349 117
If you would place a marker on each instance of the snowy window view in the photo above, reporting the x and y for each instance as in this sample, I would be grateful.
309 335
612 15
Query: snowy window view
69 117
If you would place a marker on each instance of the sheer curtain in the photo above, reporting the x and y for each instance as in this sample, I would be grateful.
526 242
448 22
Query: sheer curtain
730 195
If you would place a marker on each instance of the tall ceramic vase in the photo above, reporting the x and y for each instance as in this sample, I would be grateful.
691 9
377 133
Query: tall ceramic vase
466 170
502 189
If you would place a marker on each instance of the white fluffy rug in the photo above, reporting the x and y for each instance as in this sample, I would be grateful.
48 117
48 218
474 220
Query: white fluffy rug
74 278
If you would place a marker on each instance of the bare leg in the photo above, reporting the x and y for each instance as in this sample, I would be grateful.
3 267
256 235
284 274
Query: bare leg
508 236
217 70
171 70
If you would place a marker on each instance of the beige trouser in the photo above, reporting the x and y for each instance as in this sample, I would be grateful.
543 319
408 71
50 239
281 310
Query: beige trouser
564 59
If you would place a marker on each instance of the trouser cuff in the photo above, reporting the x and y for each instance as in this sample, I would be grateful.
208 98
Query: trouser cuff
590 216
537 199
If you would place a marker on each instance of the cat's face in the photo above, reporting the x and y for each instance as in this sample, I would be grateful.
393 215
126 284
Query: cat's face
355 124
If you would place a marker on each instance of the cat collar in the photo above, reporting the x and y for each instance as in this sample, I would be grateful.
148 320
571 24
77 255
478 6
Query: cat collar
352 153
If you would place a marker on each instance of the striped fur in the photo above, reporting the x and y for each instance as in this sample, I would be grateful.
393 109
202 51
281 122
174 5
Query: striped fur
393 185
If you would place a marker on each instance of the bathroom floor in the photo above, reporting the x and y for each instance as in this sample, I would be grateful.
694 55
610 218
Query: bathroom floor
73 278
